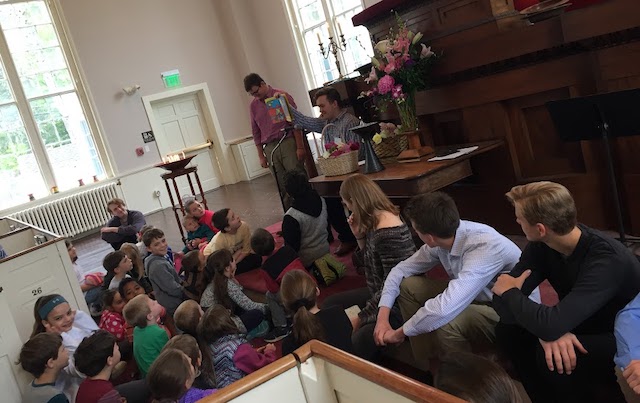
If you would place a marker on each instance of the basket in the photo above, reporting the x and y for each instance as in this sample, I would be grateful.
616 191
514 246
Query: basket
391 146
340 165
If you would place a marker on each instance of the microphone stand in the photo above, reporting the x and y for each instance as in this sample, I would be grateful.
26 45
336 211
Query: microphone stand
284 131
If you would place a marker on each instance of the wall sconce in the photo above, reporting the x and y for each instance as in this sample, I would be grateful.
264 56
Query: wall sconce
131 89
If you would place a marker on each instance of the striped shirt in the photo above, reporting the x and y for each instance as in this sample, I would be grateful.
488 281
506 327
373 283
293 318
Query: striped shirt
478 255
339 126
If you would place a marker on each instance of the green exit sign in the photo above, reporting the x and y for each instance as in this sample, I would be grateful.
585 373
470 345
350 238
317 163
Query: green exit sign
171 79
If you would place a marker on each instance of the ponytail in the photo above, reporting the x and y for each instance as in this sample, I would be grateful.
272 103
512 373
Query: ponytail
298 293
217 262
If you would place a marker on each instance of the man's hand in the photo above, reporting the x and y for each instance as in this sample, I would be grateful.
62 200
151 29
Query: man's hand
562 353
269 348
394 336
108 229
355 323
382 326
506 282
300 153
632 375
263 161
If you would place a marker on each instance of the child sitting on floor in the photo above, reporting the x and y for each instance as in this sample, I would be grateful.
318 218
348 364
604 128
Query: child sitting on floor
170 376
233 356
299 294
162 274
130 288
192 268
205 381
96 357
148 338
235 236
44 356
132 251
196 233
112 320
117 265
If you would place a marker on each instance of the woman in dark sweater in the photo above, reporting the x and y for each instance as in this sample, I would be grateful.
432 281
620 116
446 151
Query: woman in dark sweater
299 292
386 241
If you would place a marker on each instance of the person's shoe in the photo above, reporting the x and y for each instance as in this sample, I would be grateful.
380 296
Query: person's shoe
278 333
345 248
259 331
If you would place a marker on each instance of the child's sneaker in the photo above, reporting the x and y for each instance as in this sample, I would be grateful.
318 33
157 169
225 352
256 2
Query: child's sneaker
278 333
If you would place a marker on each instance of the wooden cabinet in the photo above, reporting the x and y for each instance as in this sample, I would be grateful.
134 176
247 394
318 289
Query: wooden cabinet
247 161
37 264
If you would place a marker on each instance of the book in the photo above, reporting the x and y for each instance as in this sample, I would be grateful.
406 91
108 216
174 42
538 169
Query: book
279 109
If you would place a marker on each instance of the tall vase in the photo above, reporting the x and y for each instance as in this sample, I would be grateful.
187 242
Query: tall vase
409 122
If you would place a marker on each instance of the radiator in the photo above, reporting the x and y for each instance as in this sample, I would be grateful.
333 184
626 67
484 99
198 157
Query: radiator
74 214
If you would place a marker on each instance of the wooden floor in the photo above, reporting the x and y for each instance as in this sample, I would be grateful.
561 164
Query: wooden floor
257 202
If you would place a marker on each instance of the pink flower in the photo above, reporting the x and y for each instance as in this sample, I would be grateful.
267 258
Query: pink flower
385 85
390 67
372 76
396 92
330 145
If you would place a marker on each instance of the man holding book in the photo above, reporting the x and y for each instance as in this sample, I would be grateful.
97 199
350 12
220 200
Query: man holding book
268 135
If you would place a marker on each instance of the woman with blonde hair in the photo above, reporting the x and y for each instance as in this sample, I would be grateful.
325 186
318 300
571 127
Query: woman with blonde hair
299 294
386 241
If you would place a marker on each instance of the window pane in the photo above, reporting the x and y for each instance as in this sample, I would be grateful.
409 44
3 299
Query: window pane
311 13
359 49
24 14
340 6
19 172
67 140
6 95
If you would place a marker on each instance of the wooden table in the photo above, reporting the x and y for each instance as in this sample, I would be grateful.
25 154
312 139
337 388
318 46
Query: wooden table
403 180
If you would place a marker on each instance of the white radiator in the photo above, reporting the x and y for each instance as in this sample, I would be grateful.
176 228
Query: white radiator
74 214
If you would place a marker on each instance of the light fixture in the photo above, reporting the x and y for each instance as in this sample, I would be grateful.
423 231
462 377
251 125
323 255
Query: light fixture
132 89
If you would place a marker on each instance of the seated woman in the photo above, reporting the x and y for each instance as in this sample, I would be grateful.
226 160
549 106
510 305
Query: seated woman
123 225
386 241
304 226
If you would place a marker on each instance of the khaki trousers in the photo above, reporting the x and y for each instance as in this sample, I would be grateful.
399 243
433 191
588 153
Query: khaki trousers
473 329
284 160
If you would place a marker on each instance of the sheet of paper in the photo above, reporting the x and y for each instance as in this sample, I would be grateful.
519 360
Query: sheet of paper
457 154
352 311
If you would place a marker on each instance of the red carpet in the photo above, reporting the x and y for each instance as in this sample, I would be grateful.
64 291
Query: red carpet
253 280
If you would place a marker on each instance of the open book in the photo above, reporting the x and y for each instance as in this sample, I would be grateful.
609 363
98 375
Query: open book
278 108
352 311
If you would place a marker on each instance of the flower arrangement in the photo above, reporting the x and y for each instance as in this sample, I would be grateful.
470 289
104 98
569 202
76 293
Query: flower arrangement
387 130
400 68
334 149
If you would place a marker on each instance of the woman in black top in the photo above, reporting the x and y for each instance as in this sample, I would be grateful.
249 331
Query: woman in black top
299 293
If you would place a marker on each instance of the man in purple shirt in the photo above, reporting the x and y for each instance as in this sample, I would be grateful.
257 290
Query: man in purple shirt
289 152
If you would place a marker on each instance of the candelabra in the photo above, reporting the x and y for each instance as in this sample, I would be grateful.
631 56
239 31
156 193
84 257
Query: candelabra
333 47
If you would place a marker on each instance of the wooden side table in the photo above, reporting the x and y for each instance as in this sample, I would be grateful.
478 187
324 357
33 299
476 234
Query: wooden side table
171 176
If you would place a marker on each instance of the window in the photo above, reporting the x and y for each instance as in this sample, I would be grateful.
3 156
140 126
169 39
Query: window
46 131
314 21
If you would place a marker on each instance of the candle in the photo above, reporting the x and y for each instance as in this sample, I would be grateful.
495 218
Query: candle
339 29
319 39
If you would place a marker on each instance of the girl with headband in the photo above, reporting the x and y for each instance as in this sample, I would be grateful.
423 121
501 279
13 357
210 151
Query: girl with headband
53 314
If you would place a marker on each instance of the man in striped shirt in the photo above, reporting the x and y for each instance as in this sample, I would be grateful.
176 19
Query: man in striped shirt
337 122
456 314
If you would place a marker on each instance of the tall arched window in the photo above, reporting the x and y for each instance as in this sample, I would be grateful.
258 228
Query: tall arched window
48 136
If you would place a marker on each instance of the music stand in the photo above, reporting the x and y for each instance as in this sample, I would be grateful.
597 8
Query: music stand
602 116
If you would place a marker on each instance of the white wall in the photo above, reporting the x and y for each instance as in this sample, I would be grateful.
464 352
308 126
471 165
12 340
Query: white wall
121 42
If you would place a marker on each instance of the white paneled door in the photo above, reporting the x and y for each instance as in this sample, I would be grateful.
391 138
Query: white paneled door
182 126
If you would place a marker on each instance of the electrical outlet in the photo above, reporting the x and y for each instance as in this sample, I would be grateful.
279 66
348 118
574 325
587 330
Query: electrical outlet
156 193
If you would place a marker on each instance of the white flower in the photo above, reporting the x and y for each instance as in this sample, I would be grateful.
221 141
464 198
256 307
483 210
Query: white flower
382 46
326 154
426 52
416 38
375 62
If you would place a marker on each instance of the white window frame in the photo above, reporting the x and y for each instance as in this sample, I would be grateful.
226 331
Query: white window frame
298 33
22 101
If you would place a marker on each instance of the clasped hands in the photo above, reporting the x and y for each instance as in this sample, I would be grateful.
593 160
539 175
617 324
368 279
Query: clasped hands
383 333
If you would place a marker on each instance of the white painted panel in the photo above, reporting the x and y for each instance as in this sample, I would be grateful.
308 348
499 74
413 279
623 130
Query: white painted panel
11 375
195 132
285 388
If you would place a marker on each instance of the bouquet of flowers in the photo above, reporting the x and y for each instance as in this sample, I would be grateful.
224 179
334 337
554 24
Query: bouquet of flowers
401 67
387 130
334 149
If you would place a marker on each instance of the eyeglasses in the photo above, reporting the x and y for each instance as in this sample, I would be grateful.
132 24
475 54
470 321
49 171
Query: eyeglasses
254 93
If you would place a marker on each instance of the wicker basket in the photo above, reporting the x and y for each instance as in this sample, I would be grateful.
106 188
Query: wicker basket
340 165
391 147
